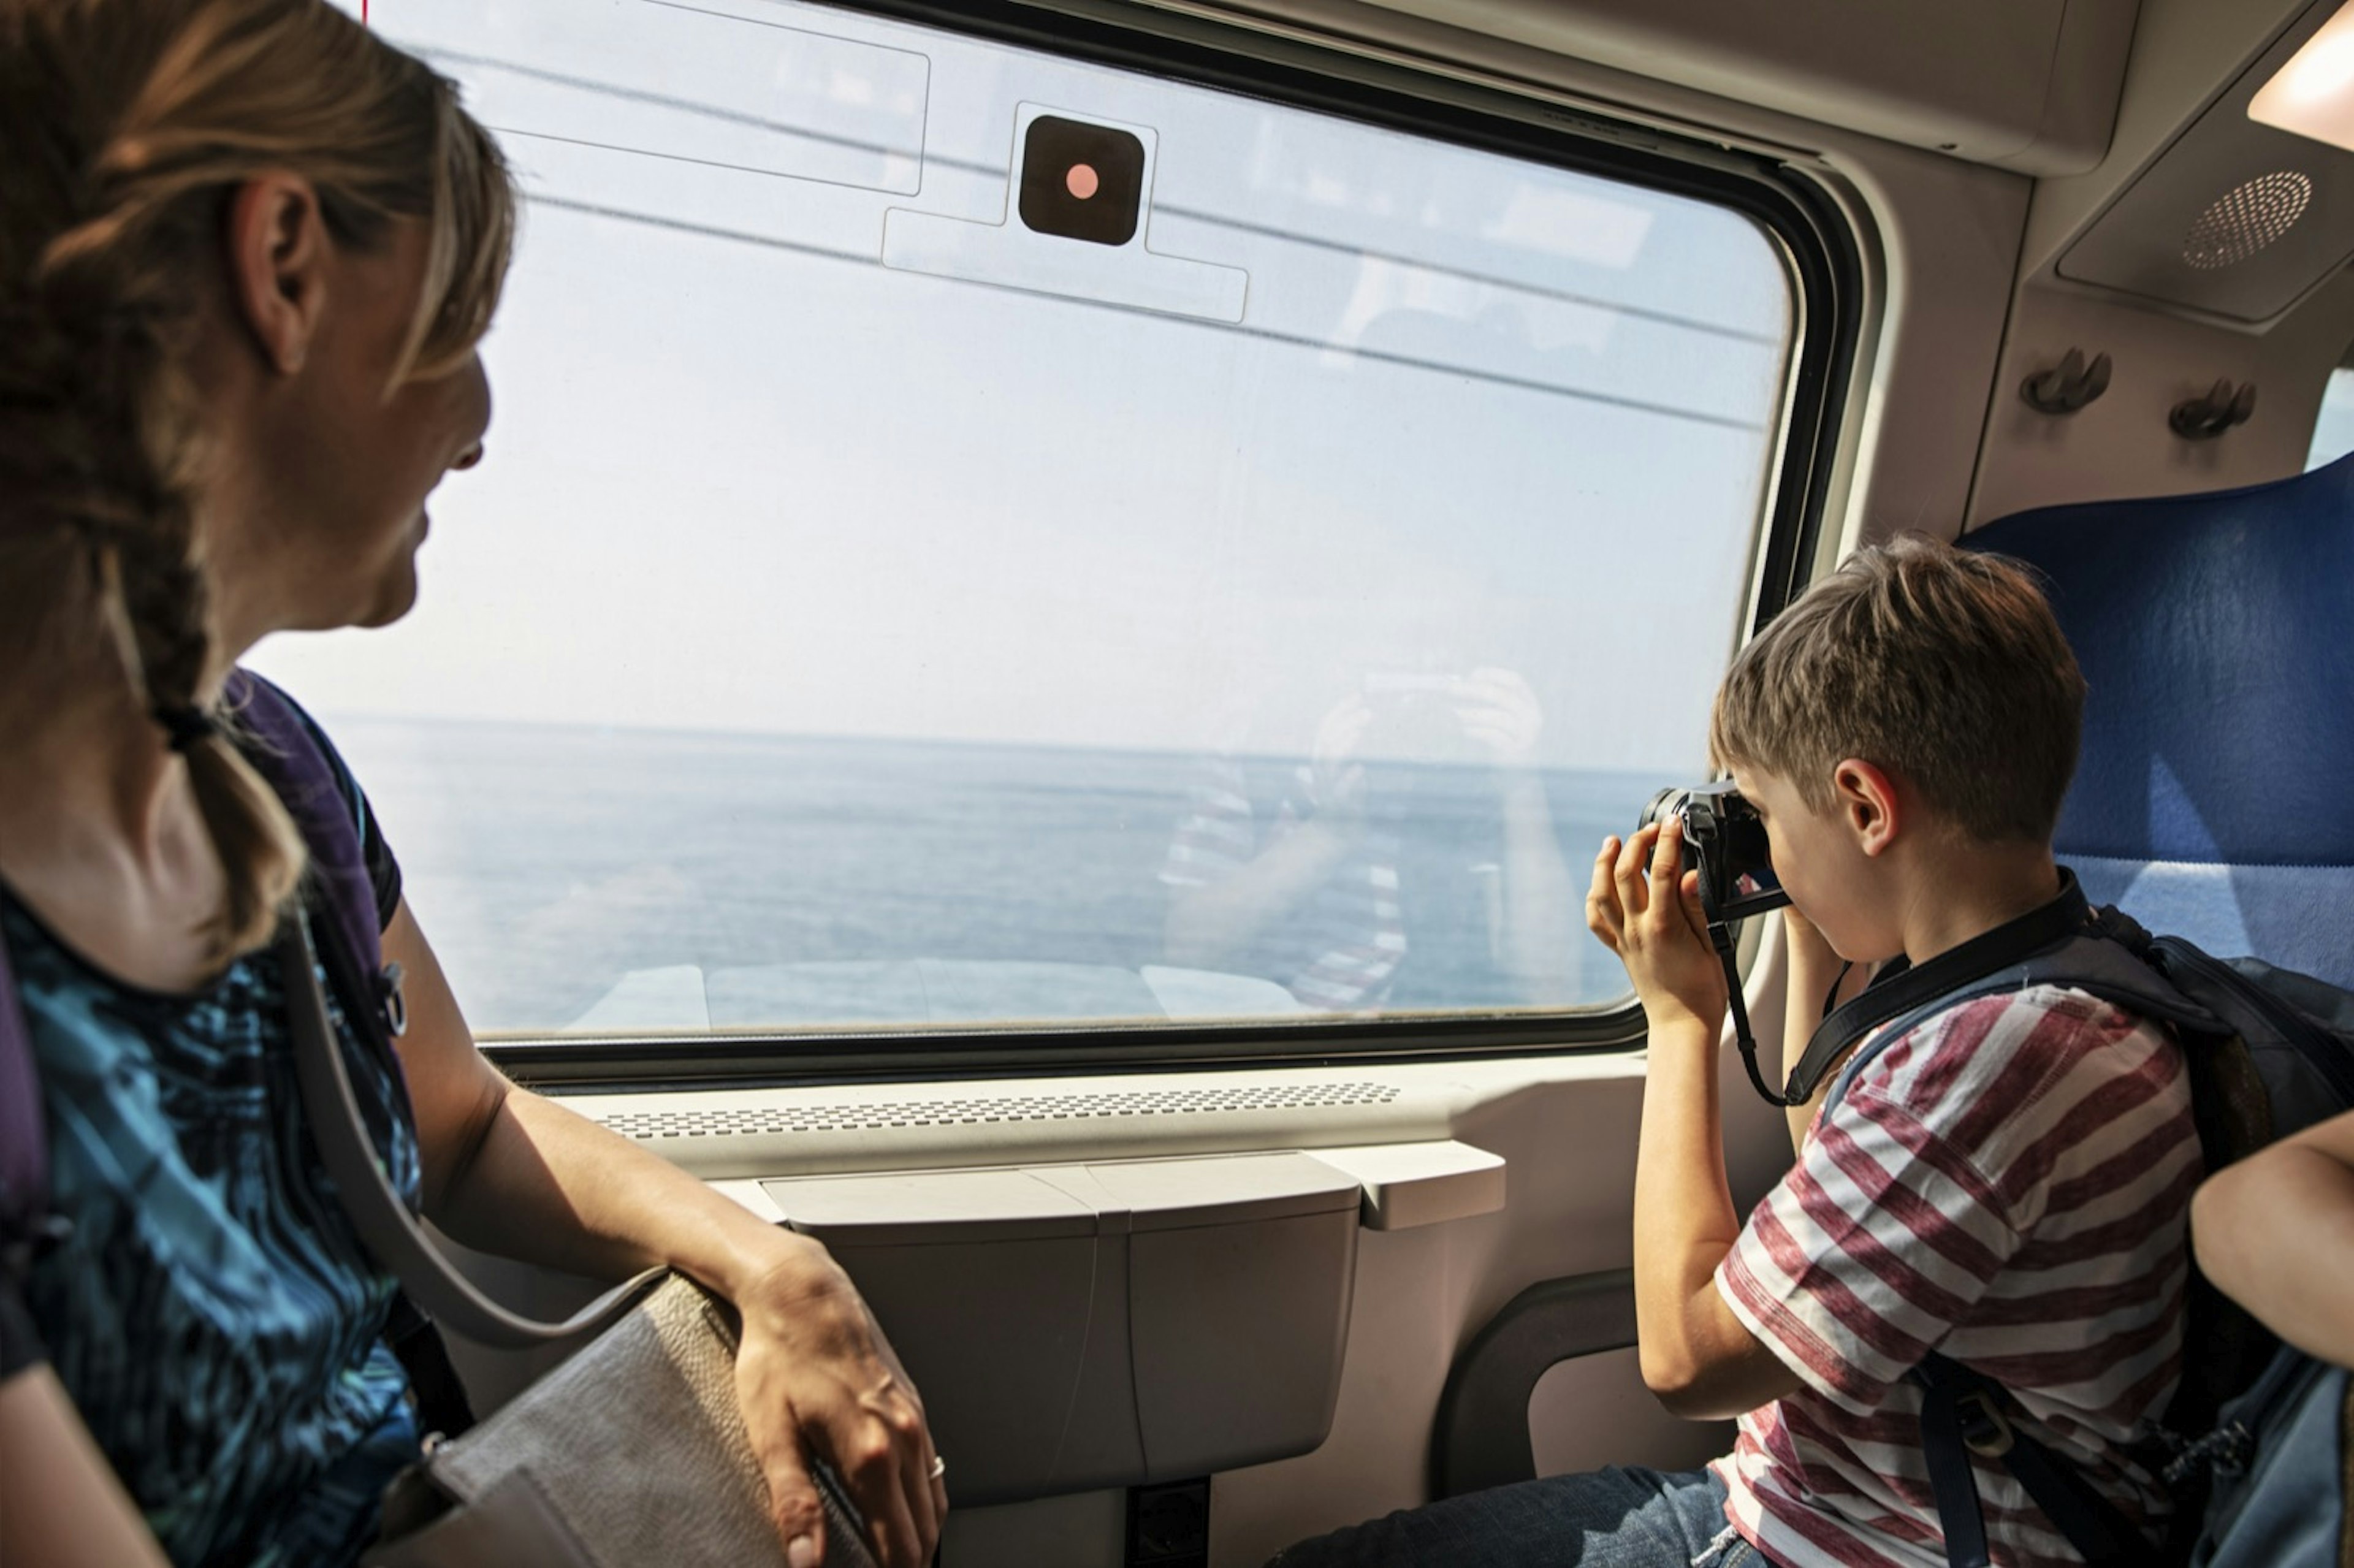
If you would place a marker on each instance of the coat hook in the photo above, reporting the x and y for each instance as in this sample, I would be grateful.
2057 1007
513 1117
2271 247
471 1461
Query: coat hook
2067 385
2224 406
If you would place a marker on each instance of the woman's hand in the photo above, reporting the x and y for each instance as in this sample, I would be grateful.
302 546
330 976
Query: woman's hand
515 1174
1646 908
818 1381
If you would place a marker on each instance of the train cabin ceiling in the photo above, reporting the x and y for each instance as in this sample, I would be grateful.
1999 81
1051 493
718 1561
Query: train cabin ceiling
2231 218
2029 85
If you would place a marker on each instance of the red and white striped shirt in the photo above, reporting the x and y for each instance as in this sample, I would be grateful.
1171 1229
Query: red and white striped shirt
2009 1184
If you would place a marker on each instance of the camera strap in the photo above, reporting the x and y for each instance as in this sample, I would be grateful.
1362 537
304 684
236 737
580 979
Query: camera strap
1720 937
1903 987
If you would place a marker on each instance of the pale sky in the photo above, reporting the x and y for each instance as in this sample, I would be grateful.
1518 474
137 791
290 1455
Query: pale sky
744 476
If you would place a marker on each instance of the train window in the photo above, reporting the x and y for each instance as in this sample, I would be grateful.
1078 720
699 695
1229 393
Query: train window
2333 429
975 537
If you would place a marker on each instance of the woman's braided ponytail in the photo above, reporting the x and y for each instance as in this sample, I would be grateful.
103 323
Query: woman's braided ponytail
128 125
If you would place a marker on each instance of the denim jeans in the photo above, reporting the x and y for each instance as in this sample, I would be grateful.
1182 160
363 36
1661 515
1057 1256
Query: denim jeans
1606 1519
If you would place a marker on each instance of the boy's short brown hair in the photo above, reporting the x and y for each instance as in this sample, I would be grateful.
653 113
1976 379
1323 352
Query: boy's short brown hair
1942 665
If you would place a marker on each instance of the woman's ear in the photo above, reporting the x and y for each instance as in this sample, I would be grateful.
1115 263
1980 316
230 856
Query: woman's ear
1866 797
278 255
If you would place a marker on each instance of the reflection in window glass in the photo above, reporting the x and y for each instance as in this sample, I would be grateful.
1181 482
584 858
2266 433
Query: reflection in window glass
899 594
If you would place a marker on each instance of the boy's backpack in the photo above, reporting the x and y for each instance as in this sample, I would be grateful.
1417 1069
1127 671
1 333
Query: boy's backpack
2269 1052
342 898
2279 1471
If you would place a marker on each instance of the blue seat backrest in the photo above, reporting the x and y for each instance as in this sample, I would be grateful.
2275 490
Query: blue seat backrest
2215 797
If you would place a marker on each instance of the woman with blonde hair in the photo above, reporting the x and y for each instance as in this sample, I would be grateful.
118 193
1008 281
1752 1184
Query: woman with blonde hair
247 250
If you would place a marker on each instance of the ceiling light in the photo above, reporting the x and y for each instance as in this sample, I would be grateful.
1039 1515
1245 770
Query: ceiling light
2313 95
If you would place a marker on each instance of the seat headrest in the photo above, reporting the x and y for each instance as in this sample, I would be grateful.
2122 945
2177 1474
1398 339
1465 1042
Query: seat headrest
2216 634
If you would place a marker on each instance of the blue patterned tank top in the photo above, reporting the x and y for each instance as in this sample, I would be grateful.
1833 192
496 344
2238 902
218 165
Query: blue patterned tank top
214 1317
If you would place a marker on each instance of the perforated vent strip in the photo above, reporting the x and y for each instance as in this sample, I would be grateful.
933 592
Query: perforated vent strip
2245 219
953 1113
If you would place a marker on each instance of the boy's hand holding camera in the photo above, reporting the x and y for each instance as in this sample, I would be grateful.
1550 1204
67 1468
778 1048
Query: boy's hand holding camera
1646 907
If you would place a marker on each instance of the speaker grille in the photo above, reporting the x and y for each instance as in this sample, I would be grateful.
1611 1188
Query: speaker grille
2247 219
736 1123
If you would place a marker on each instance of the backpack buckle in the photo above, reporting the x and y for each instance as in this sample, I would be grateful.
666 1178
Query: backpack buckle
1985 1431
2226 1451
395 1001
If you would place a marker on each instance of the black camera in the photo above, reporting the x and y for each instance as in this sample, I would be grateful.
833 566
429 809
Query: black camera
1724 841
1727 843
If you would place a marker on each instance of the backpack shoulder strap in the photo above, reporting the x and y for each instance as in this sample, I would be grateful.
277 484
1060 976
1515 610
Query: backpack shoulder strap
289 755
24 1140
2065 941
2104 955
2093 964
1904 989
1962 1415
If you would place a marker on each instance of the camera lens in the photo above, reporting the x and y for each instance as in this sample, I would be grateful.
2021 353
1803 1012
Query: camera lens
1081 181
1664 804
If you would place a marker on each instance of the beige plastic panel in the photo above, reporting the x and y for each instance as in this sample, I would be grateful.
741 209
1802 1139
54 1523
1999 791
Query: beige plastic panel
1102 1443
1238 1333
1411 1184
1086 1326
902 1208
1178 1194
995 1334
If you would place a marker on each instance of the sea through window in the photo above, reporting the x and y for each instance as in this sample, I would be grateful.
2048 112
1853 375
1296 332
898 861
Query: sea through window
972 537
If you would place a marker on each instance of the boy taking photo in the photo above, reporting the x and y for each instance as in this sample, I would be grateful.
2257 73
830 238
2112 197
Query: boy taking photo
2006 1185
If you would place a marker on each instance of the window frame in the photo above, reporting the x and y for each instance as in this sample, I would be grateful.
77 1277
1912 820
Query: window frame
1821 252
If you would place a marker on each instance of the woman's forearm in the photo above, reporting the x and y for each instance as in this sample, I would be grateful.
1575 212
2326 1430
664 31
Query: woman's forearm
2275 1233
515 1174
548 1186
60 1504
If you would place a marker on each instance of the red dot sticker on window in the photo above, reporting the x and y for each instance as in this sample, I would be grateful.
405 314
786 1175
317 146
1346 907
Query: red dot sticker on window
1080 180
